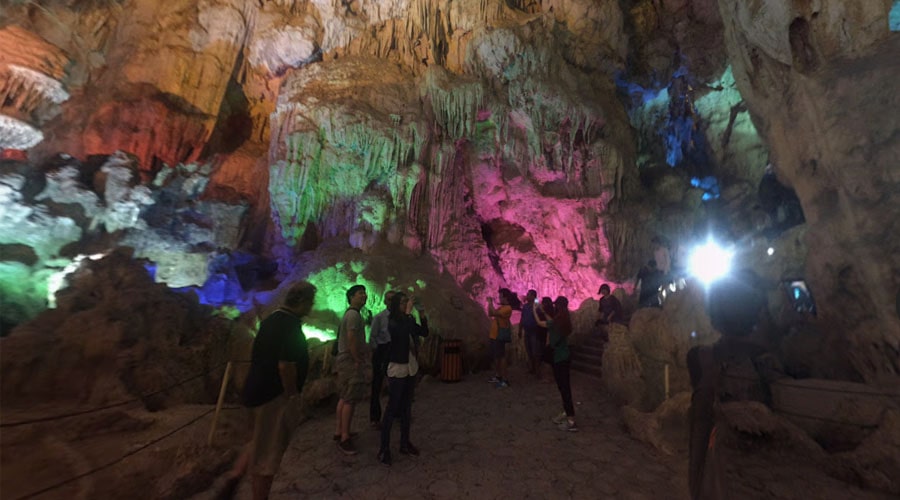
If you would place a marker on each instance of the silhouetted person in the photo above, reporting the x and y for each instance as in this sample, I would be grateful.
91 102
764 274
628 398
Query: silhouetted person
610 308
661 256
534 343
649 279
500 335
559 327
779 202
278 368
401 371
380 340
737 309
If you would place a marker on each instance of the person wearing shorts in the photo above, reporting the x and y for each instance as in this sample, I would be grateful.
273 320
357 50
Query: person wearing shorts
350 365
278 368
500 318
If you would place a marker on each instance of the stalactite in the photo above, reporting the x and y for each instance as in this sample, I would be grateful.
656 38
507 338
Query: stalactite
456 108
27 98
339 162
443 190
16 134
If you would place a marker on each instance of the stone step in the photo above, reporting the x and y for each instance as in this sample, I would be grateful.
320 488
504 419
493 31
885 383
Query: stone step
587 368
588 357
593 341
589 349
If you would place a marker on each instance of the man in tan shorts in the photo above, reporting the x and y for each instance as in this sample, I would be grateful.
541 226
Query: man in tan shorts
278 368
350 365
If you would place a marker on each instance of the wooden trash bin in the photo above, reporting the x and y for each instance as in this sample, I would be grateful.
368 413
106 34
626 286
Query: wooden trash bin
451 360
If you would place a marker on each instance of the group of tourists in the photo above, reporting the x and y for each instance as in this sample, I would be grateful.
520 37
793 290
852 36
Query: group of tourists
395 338
280 361
546 325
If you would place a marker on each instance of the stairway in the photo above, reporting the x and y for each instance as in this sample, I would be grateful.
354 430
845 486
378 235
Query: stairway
587 356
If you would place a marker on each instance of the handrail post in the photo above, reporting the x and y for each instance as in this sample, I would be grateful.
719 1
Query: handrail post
212 430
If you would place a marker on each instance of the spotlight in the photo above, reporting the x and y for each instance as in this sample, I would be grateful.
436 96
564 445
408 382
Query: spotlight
710 262
770 251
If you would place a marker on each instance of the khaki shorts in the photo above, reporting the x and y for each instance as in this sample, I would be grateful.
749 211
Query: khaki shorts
351 379
273 424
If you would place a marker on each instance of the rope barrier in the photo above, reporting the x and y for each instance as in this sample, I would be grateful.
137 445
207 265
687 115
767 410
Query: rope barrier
123 457
113 405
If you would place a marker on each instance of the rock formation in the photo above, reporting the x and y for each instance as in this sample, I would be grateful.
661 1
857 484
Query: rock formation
31 90
450 148
817 79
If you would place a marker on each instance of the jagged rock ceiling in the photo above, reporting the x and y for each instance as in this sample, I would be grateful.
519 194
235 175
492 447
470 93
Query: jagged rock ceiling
523 143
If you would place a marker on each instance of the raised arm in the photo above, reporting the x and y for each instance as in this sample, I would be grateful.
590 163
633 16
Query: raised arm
415 328
422 329
537 317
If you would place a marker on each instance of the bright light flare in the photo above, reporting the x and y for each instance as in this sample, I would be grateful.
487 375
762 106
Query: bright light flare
710 262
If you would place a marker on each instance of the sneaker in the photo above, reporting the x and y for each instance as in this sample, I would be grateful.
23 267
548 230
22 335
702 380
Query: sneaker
501 384
569 426
347 447
559 418
384 458
494 380
409 449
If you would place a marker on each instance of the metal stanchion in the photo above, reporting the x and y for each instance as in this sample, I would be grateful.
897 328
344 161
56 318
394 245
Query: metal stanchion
212 430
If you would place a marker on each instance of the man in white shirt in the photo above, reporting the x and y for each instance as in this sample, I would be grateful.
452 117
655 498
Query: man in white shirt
380 340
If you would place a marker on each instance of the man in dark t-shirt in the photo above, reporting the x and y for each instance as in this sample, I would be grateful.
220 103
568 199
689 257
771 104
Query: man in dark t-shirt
534 345
280 340
610 308
278 369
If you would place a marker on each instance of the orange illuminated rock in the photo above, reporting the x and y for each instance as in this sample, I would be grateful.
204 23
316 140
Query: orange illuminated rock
151 128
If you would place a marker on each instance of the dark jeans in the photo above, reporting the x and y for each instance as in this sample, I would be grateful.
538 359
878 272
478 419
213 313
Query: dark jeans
380 358
564 383
399 406
535 340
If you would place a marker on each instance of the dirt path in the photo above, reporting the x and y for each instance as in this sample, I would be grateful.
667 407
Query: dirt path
481 442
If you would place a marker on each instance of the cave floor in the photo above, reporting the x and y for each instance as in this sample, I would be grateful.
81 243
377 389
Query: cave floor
477 441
